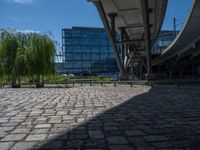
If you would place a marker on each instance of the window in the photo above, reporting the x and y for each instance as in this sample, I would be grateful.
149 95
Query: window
85 34
103 35
96 65
76 33
77 64
85 56
77 49
94 56
103 42
68 49
69 56
86 64
94 49
94 34
110 50
103 49
68 64
111 56
67 33
86 41
76 41
86 49
104 56
68 41
77 56
95 42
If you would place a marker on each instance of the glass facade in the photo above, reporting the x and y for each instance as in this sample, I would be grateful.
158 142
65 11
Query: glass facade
88 51
165 38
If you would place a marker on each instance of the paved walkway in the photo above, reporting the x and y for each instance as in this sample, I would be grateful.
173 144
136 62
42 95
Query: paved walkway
115 118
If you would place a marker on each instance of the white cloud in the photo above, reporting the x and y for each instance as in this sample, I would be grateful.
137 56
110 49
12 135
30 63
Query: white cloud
29 31
20 1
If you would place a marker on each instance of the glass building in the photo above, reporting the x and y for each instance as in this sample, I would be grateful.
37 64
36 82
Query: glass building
165 38
87 51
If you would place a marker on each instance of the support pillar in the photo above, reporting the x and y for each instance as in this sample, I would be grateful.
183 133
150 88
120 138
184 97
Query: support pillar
111 34
122 30
147 33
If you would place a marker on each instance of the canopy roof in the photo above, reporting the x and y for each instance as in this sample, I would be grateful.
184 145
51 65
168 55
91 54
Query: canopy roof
130 16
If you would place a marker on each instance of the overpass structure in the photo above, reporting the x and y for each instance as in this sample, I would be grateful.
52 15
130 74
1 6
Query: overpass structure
182 56
133 26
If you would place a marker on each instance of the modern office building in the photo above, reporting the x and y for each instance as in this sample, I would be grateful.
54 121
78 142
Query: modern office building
87 51
165 38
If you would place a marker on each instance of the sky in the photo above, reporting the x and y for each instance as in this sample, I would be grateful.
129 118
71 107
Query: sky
53 15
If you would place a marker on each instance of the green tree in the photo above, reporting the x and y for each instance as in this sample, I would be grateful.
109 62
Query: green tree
9 46
41 57
26 54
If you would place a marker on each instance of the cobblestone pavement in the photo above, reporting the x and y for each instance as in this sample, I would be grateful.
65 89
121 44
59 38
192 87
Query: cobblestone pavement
113 118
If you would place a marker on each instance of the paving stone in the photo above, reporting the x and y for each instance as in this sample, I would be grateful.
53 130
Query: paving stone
23 146
13 137
135 133
5 145
21 130
155 138
96 143
40 131
96 134
43 126
36 137
54 145
117 140
6 129
2 134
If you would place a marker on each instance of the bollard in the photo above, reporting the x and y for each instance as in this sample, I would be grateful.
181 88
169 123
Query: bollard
115 84
90 83
66 84
73 84
101 83
81 84
131 84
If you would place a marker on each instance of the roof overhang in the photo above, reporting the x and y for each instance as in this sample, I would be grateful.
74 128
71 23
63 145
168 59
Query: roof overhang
130 16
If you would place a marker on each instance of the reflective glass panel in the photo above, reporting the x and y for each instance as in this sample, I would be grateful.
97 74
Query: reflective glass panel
86 64
85 56
95 56
77 49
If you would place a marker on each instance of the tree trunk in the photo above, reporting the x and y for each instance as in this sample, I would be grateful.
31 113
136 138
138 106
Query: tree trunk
38 83
14 83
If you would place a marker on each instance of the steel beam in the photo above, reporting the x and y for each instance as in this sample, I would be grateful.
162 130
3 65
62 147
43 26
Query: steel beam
122 30
130 41
102 13
147 33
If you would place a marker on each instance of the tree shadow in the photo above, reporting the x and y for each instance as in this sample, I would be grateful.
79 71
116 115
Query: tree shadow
162 118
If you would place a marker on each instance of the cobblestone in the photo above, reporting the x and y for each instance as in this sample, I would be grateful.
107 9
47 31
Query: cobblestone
96 117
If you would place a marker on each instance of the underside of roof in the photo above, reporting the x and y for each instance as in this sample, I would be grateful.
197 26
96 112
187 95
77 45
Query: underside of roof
187 39
130 16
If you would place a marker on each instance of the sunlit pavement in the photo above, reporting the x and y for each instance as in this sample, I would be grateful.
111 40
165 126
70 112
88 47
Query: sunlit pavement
96 117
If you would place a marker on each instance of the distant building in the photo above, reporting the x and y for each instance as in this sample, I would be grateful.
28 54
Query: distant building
87 51
165 38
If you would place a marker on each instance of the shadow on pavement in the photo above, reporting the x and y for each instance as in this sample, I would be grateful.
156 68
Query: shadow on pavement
166 118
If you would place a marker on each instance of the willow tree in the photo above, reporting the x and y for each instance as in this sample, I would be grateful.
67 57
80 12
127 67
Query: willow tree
9 46
40 57
26 54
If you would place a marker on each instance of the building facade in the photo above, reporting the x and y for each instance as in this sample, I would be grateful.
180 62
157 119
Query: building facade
87 51
165 38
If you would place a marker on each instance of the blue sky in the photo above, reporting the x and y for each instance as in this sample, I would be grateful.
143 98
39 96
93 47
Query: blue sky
53 15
